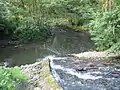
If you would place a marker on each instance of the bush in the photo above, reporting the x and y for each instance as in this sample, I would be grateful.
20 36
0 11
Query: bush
67 12
29 29
105 30
4 23
19 24
10 77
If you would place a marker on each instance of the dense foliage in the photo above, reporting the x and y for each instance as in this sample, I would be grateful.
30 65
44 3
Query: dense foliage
5 26
105 29
71 13
19 23
29 29
10 77
32 19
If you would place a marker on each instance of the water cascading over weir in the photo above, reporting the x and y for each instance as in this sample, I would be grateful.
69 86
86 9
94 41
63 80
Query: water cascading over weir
69 65
84 75
85 71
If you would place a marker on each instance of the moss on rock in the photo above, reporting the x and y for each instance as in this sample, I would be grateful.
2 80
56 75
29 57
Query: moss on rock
47 78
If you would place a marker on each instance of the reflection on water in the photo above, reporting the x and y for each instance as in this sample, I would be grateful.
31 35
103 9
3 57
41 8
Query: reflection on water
23 55
59 44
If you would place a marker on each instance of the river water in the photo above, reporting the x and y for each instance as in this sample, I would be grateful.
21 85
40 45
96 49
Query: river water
104 75
62 42
68 73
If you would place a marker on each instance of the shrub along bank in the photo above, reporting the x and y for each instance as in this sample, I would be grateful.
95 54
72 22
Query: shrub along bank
11 77
18 23
105 28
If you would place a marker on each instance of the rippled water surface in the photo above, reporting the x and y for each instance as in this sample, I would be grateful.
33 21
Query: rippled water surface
103 75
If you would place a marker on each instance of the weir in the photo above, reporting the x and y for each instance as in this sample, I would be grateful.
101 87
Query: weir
98 77
72 71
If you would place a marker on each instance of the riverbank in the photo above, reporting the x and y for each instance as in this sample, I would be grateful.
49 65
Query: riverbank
40 76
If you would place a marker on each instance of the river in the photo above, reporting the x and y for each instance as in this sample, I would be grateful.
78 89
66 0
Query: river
92 74
62 42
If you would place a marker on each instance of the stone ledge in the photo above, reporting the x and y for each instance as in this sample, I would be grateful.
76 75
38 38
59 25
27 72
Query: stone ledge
94 54
40 76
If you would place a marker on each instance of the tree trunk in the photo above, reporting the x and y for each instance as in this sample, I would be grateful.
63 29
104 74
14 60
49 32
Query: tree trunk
108 5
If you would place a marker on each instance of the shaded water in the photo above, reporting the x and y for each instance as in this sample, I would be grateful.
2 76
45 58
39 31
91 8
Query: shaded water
62 42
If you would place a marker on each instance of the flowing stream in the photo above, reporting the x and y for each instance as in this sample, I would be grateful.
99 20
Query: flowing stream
99 77
68 73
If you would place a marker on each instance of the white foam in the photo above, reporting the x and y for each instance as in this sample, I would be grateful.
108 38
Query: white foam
71 71
75 73
96 72
59 58
84 76
51 57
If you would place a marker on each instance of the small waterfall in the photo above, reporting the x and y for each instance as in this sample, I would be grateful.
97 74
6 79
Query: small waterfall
71 79
69 70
